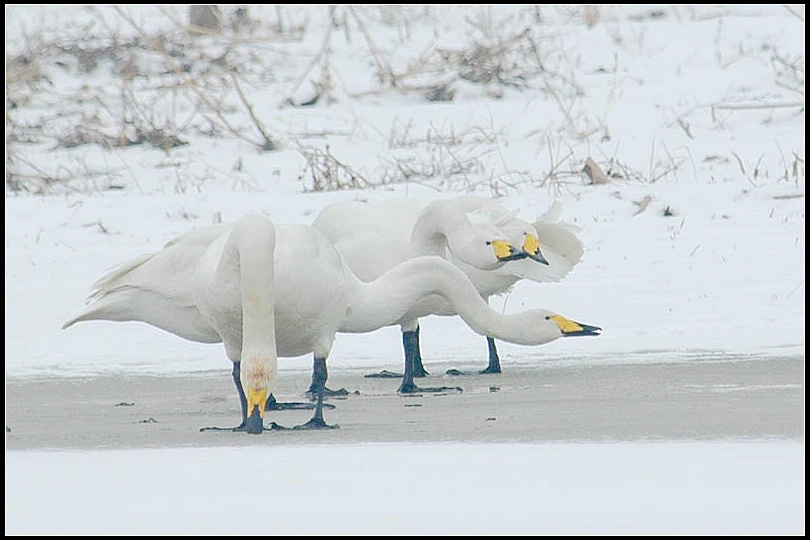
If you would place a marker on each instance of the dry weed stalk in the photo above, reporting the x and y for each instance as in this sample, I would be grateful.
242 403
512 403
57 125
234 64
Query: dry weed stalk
324 84
265 142
449 158
159 76
328 173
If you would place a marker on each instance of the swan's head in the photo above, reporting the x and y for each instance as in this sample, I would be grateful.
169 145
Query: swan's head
486 248
258 373
503 235
539 326
522 233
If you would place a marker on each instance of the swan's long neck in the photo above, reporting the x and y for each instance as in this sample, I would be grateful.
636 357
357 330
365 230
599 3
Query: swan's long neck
253 241
437 225
391 298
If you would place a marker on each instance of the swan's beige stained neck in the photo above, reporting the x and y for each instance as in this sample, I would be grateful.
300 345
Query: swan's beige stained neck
255 249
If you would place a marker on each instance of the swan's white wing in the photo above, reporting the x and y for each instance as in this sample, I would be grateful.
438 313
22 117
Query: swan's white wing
201 237
155 289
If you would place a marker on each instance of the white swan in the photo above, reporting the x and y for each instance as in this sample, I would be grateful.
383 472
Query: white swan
561 249
268 291
446 228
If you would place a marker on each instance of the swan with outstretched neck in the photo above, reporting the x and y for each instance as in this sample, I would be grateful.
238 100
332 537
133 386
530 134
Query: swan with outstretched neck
266 291
453 229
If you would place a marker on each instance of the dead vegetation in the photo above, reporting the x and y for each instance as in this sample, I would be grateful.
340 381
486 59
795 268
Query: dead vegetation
155 88
209 71
325 172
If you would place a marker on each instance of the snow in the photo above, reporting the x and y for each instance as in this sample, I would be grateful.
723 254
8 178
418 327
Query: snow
673 98
384 489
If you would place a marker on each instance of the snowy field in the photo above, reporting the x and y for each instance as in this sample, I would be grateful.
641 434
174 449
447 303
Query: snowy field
124 131
680 488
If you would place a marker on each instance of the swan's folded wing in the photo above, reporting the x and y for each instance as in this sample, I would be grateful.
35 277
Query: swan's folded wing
155 289
201 237
168 271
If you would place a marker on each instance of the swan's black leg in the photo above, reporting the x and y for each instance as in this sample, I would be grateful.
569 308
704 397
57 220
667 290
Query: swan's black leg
410 341
312 392
319 377
237 381
494 365
252 424
418 368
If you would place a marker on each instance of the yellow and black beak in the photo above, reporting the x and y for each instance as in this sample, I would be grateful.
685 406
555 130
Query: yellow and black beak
505 252
256 403
531 247
571 328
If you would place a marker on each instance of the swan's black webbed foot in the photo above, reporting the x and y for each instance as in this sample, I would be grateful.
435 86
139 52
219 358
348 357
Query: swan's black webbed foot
312 424
289 406
240 428
273 405
316 423
490 370
312 394
410 388
384 374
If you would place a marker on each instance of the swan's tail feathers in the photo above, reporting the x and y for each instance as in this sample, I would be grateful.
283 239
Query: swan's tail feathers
126 303
113 278
152 288
104 305
98 311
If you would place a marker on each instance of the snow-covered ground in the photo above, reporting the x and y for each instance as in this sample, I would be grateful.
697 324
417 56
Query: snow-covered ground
695 242
729 488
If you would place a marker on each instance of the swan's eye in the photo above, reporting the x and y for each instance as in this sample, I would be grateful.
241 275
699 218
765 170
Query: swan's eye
548 317
489 243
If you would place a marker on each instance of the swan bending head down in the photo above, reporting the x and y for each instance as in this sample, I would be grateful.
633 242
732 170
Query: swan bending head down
267 291
234 290
405 293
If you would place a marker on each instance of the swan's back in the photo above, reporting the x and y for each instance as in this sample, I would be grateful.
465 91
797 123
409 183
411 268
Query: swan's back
159 289
371 239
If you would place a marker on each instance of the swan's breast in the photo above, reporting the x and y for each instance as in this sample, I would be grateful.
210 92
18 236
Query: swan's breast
310 291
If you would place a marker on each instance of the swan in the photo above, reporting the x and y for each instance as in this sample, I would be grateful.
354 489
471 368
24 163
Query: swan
561 247
446 228
223 284
266 291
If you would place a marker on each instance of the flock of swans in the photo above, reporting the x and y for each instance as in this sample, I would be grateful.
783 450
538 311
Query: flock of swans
267 290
